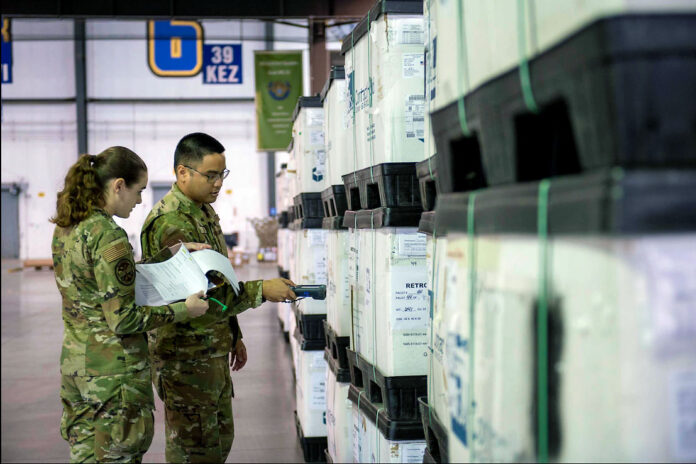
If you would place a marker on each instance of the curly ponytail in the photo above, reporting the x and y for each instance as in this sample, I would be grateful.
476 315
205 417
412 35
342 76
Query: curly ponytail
86 181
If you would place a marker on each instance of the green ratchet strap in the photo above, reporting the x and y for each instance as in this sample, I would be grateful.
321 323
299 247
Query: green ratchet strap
525 79
377 432
472 303
542 329
462 70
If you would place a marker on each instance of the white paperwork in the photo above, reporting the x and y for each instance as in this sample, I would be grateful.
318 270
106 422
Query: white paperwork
178 277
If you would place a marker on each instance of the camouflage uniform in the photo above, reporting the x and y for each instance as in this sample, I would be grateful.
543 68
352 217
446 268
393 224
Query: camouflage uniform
191 374
105 390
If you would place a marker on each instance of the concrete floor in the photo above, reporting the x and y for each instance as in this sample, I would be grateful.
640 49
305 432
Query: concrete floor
32 334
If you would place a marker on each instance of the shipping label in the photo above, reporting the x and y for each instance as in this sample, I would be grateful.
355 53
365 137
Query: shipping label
458 383
411 245
414 117
412 65
316 137
411 32
409 301
314 116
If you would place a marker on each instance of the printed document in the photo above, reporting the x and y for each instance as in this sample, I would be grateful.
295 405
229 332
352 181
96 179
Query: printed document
178 277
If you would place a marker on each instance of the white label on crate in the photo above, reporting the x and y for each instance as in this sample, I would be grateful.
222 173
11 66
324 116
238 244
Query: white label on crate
412 65
318 395
411 245
458 383
671 280
315 116
316 137
682 409
370 132
414 116
410 303
412 452
411 33
316 237
356 435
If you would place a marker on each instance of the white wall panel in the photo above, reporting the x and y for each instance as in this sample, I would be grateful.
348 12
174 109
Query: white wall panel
39 144
43 59
117 61
153 130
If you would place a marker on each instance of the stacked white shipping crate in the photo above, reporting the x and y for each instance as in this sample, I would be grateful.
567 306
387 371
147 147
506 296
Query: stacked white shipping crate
309 266
563 323
387 272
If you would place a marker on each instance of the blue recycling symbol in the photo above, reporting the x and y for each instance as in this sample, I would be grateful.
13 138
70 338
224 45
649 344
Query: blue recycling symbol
317 176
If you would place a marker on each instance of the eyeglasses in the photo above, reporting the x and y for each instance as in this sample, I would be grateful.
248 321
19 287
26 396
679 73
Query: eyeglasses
211 177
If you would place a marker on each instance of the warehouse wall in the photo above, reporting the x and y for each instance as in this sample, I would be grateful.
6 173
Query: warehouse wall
44 136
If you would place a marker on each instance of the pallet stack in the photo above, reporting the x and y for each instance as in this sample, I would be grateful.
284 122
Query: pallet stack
387 271
566 182
308 157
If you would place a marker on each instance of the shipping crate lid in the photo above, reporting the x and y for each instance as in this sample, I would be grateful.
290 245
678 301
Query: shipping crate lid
337 72
306 102
391 430
408 7
606 201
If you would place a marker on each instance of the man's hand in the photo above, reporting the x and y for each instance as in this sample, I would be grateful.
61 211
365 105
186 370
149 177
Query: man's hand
239 356
278 290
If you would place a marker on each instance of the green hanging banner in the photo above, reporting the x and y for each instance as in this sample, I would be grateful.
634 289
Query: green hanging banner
278 86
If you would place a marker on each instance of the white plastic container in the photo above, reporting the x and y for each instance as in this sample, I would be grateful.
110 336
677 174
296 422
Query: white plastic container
291 256
437 375
308 151
310 390
491 33
394 308
311 266
430 8
339 415
370 445
338 312
338 134
627 353
283 200
391 128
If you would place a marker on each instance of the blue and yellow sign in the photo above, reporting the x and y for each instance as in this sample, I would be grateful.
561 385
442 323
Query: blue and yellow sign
6 52
222 63
175 48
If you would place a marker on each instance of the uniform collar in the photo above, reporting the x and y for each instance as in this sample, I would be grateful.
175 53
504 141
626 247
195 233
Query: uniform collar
189 204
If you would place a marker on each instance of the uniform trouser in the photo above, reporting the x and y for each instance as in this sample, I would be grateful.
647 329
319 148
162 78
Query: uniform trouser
197 397
107 418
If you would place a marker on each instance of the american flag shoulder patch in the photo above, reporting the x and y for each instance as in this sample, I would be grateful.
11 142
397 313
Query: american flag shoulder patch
115 252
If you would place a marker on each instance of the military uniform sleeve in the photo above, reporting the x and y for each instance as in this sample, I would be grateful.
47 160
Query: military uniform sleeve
114 270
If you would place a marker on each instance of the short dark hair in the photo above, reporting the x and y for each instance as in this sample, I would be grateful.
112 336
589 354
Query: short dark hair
193 147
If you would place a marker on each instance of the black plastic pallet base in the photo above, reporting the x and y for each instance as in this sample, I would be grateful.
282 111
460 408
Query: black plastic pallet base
312 447
388 217
308 345
391 185
435 432
336 346
427 180
619 92
611 201
283 273
428 458
426 225
333 223
308 206
334 201
342 375
308 223
283 220
392 429
398 394
311 326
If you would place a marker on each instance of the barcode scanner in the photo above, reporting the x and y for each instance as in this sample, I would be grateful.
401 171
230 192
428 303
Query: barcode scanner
318 292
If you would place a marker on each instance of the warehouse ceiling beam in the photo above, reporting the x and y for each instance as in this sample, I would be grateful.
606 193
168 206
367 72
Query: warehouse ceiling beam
187 9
